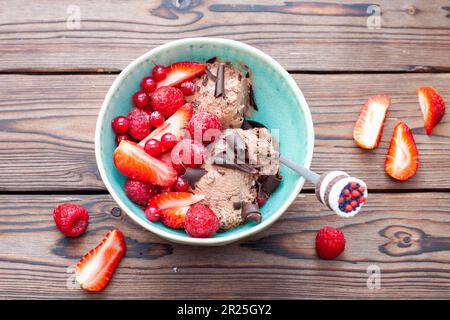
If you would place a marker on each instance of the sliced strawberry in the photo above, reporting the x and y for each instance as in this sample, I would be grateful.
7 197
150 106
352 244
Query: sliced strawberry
168 200
175 124
182 71
96 268
369 126
402 159
133 162
174 217
166 158
432 106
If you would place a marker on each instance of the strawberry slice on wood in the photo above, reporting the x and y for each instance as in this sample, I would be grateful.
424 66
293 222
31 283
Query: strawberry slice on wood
369 126
175 124
432 106
133 162
402 160
168 200
174 217
179 72
96 268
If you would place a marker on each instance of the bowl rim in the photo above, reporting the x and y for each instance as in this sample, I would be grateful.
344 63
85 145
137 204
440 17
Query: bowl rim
233 237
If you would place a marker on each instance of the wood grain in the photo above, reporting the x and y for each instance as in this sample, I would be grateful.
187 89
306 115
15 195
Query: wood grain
408 243
48 124
302 35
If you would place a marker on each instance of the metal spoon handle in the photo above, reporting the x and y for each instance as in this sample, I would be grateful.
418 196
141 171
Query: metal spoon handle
305 173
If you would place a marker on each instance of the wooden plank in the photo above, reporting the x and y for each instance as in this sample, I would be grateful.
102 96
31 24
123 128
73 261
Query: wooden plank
306 35
48 123
405 235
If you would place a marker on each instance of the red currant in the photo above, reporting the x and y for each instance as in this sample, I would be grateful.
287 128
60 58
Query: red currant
181 185
152 213
188 88
141 100
179 168
148 85
168 140
159 73
156 119
262 200
153 147
121 137
120 124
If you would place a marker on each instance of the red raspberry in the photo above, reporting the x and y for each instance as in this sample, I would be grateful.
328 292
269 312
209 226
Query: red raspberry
141 100
148 85
204 127
139 123
159 73
140 192
188 153
201 221
330 243
71 219
167 100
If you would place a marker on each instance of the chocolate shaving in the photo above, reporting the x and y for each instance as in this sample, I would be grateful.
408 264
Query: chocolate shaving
271 183
246 125
243 66
221 160
251 212
192 175
220 83
210 75
211 60
237 205
255 217
204 81
250 124
252 98
237 144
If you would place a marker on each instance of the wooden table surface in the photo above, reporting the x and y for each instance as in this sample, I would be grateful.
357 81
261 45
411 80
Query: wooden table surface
53 79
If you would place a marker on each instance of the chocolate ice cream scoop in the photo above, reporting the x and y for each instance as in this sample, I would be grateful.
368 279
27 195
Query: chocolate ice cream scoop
343 194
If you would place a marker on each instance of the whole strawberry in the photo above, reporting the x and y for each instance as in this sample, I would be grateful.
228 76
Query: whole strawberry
167 100
71 219
204 127
139 123
201 221
330 243
140 192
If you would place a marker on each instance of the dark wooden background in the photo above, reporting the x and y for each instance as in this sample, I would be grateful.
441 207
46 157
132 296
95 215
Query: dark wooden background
52 83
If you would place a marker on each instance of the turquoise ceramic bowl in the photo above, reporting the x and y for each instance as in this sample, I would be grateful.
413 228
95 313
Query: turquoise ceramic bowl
281 106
